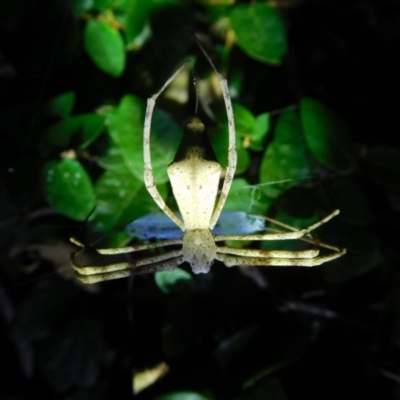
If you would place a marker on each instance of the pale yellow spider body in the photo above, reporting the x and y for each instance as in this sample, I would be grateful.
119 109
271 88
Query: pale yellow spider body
194 176
195 184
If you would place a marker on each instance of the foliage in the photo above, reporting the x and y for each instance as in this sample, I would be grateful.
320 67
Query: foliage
314 131
260 32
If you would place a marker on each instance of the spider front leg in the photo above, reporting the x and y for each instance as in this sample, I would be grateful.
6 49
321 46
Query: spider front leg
148 170
232 154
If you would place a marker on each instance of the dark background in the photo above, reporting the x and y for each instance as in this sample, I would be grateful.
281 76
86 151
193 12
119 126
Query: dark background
311 336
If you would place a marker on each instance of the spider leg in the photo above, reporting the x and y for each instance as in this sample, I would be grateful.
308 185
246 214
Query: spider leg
296 234
167 265
232 155
98 273
129 249
255 253
148 170
232 260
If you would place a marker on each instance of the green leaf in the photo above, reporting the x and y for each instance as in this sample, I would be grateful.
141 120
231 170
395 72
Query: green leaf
183 396
125 126
105 47
121 198
219 143
244 120
61 105
327 134
286 160
247 198
261 128
68 188
168 281
260 32
112 158
82 6
121 7
115 191
251 131
243 160
102 5
382 165
126 130
59 135
136 18
92 126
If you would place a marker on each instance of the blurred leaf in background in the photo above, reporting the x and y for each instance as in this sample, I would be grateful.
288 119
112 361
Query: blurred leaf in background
69 188
327 134
260 32
287 159
105 46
